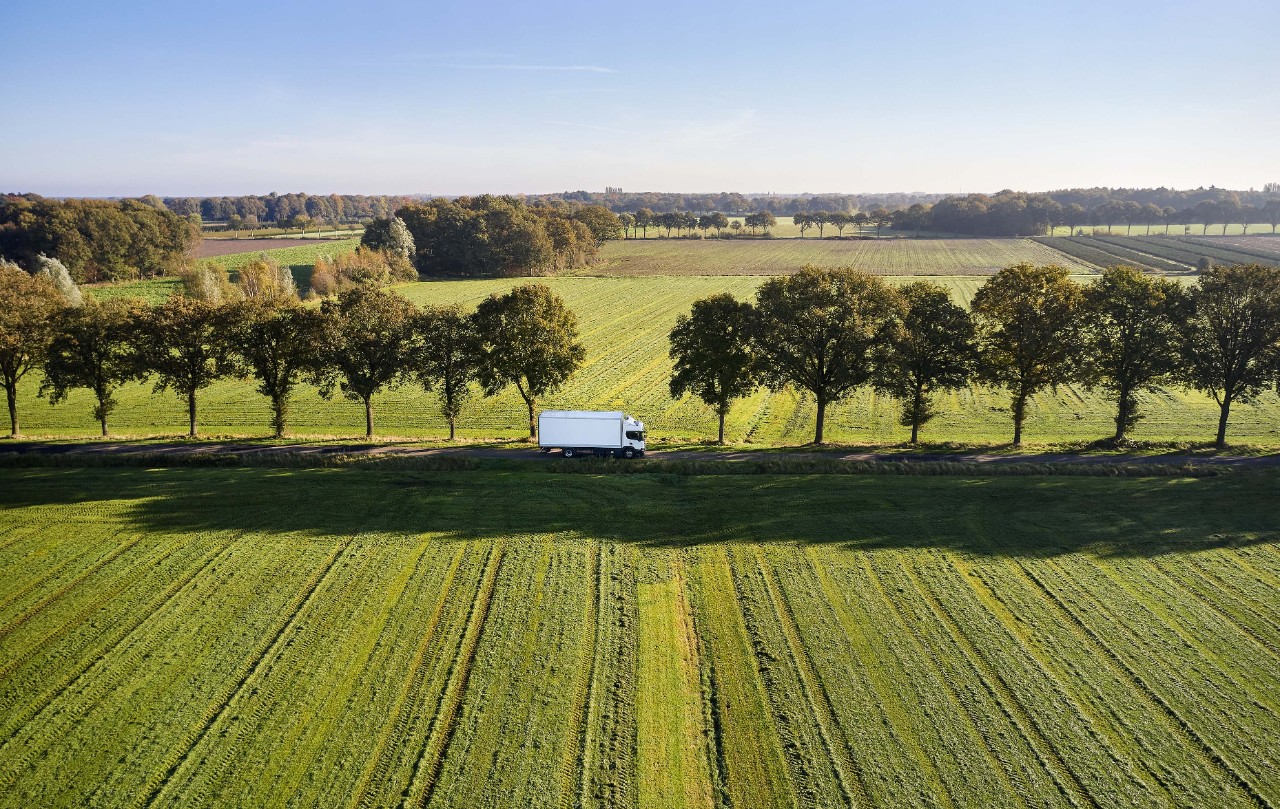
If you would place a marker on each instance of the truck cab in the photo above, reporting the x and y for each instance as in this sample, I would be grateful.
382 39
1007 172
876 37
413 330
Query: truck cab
633 434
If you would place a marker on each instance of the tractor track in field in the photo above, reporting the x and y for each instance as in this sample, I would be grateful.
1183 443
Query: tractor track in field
258 452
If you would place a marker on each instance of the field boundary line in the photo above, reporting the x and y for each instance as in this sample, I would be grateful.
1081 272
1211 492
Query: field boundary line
1003 696
156 786
114 640
1174 720
444 723
379 761
815 692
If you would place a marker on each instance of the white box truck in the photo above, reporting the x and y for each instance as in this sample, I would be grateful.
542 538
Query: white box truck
598 432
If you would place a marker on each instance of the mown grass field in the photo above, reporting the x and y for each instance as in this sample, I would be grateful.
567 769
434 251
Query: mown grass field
258 637
1171 255
904 256
624 323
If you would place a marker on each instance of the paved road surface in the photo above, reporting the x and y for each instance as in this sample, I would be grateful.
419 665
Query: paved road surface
110 448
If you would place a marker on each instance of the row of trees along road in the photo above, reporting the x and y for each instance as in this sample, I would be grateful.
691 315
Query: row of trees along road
358 343
829 332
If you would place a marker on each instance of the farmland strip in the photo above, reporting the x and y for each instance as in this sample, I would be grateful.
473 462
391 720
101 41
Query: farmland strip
993 679
1175 721
380 760
851 784
576 765
19 718
431 759
156 786
59 592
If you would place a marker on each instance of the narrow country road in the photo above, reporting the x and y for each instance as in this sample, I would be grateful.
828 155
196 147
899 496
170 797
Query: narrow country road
258 450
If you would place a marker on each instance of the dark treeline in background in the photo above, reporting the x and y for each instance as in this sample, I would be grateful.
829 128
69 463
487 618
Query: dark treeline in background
98 240
285 210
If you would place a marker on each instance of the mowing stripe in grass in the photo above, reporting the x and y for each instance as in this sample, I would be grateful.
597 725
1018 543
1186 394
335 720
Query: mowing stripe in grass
157 784
431 758
613 756
16 718
756 770
837 747
1176 722
575 763
991 677
671 768
379 760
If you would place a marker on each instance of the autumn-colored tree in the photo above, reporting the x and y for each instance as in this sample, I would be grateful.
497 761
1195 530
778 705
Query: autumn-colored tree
27 309
445 358
712 354
528 338
184 342
93 347
1029 327
367 345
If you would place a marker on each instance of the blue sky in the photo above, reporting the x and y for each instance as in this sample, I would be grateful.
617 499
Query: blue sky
112 99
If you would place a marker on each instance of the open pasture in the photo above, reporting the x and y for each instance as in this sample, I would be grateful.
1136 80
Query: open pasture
209 248
624 324
903 256
1166 254
347 638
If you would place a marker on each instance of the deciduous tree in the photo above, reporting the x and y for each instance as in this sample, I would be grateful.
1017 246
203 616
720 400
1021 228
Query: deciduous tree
27 309
528 338
278 342
930 347
367 343
1131 337
184 342
93 347
816 331
446 358
1231 338
1029 326
711 349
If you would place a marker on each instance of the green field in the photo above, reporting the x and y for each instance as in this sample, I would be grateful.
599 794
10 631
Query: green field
903 256
1161 254
258 637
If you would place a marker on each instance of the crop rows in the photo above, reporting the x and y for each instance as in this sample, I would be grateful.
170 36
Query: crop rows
783 256
1239 250
186 637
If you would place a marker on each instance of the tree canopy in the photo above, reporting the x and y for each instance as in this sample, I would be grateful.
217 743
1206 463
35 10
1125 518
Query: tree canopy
93 347
712 353
27 308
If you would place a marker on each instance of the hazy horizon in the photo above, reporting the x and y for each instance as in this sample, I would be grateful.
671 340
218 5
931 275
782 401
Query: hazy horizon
397 98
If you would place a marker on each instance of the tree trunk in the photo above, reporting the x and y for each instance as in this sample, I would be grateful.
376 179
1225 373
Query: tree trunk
1225 408
722 410
1019 413
191 414
368 417
1123 409
915 415
451 431
278 406
533 425
822 412
11 392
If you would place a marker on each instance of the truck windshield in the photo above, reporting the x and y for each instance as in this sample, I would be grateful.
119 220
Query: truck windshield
635 435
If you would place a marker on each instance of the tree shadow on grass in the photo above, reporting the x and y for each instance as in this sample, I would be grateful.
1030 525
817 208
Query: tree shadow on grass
1033 516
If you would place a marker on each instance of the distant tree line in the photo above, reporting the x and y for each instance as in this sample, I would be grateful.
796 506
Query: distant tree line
828 332
283 209
358 343
732 203
97 240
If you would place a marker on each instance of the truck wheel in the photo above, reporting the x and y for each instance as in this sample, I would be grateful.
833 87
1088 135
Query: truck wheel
629 453
570 452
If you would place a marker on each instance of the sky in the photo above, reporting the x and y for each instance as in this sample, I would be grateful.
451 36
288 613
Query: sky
183 99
